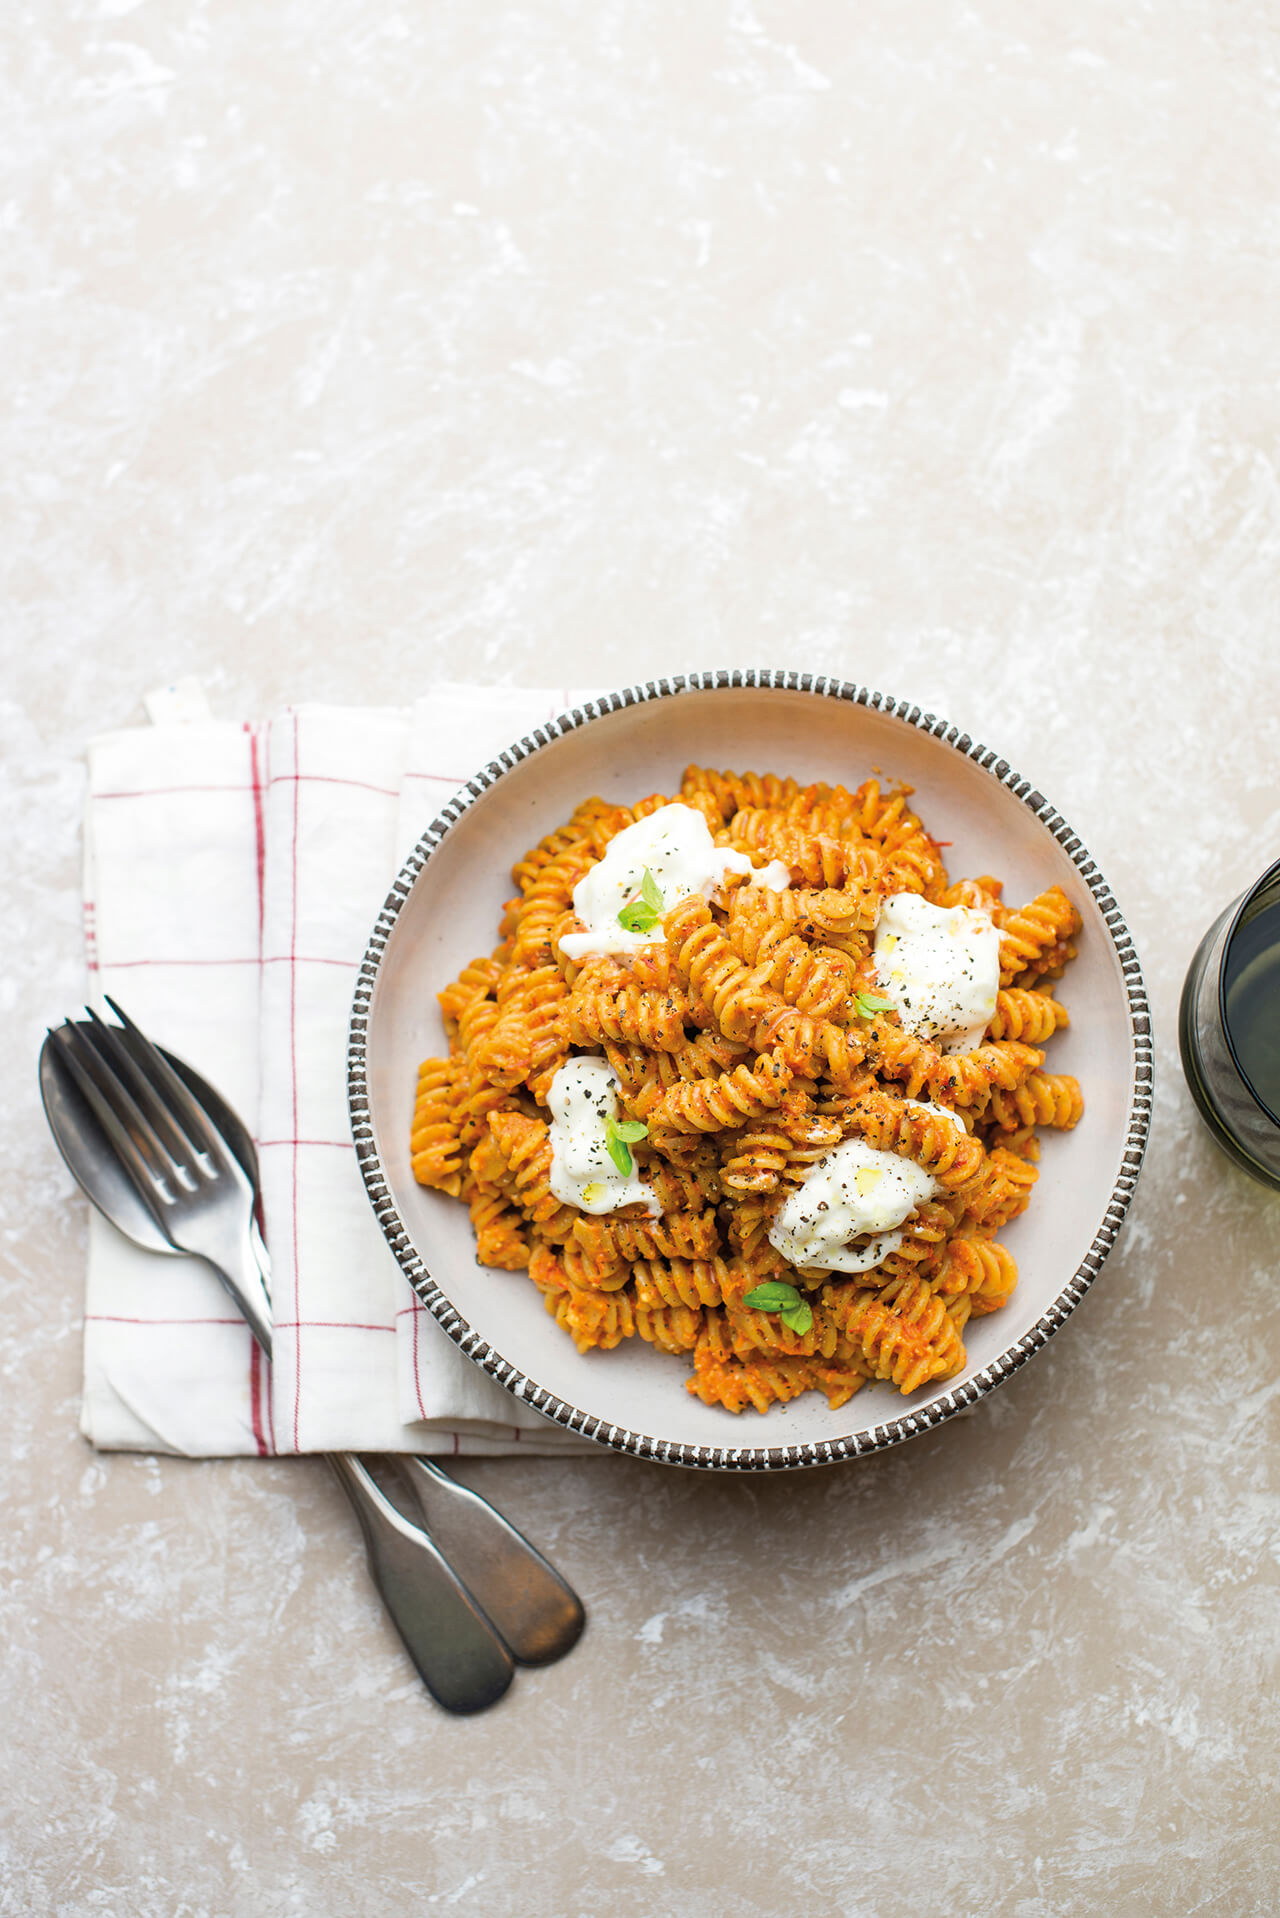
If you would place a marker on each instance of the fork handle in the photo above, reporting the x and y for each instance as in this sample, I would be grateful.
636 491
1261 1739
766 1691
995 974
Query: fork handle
460 1658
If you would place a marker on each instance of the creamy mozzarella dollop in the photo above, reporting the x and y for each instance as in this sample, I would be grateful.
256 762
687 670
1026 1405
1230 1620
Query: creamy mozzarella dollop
852 1192
583 1096
940 966
675 845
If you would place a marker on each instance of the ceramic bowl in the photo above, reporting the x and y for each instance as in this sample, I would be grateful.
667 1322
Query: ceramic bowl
445 907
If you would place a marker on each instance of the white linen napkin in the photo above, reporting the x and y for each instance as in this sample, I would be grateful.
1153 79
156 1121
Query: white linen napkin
232 873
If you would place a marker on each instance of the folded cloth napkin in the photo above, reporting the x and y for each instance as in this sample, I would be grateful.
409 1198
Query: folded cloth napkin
232 874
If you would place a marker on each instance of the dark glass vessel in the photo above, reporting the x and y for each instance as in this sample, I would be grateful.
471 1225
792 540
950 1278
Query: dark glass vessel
1229 1029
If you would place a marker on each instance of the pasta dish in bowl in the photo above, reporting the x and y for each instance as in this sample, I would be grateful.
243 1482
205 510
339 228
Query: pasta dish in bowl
745 1084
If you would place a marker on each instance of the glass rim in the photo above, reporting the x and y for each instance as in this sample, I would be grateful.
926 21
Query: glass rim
1269 877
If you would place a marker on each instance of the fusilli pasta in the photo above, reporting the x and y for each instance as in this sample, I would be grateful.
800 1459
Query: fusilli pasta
748 1043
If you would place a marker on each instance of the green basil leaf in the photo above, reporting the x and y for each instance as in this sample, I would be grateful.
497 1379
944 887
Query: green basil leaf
775 1295
637 917
643 914
797 1318
869 1002
617 1134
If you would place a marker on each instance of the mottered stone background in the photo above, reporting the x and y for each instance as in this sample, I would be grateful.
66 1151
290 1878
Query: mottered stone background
349 346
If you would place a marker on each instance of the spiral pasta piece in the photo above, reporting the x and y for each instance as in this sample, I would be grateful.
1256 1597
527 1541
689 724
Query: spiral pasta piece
593 1320
1001 1192
735 1383
610 1240
903 1332
1043 1098
475 1013
781 1147
980 895
607 1004
706 1054
730 792
808 1145
825 916
435 1143
499 1229
886 816
644 1073
731 994
672 1328
965 1078
911 868
1032 1017
925 1239
689 1282
816 858
720 1377
529 1027
652 970
690 1186
890 1124
711 1105
475 1016
548 849
984 1271
814 981
478 1096
476 982
888 823
643 807
595 1268
829 809
1036 937
960 1309
549 897
525 1145
748 1233
712 972
756 1156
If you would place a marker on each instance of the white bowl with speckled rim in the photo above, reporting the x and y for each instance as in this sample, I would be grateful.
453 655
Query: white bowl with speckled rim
445 907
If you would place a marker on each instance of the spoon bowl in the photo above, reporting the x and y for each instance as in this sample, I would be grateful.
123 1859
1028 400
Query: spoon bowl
96 1169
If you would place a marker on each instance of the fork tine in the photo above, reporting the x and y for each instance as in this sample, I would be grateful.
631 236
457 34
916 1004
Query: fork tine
92 1077
181 1104
109 1042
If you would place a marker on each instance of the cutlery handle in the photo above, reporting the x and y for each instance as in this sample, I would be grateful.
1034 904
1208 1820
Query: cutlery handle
537 1613
460 1658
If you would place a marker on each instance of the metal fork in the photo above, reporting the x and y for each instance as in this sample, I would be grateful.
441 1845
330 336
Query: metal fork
202 1202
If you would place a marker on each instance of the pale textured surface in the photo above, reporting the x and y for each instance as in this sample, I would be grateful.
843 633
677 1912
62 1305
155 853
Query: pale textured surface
934 346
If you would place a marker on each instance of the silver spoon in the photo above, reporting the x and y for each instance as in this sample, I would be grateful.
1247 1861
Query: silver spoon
509 1584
